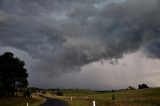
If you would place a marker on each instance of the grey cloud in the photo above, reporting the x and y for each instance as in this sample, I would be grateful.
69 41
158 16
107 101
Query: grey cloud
153 49
66 35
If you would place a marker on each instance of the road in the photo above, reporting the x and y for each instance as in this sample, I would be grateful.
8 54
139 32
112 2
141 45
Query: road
54 102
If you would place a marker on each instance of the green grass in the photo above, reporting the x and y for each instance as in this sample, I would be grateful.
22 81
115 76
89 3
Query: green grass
21 101
144 97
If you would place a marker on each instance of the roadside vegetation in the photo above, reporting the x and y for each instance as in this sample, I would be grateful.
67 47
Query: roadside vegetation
141 97
21 101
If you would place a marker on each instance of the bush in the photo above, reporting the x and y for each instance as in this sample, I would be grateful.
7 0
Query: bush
59 94
143 86
27 93
113 97
131 88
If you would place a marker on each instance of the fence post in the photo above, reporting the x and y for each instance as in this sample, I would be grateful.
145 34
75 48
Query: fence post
27 103
71 98
94 103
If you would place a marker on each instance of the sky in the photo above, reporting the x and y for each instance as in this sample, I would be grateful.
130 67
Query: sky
88 44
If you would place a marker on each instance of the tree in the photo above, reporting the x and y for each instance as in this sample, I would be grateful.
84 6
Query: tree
131 88
143 86
12 73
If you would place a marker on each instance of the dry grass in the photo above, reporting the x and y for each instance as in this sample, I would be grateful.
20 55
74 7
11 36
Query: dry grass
146 97
21 101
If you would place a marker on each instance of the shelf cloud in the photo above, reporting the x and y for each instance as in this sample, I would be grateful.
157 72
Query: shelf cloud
65 35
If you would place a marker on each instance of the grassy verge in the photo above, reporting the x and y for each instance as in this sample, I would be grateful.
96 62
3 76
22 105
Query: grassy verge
145 97
21 101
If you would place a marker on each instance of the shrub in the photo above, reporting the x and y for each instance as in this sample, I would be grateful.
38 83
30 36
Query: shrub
27 93
59 94
143 86
113 97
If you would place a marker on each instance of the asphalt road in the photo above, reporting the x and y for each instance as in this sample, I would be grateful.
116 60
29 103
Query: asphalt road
54 102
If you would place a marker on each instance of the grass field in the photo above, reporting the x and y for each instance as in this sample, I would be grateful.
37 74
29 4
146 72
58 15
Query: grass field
21 101
78 92
144 97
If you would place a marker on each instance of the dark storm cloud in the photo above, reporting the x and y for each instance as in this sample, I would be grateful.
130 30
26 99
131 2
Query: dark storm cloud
153 49
65 35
